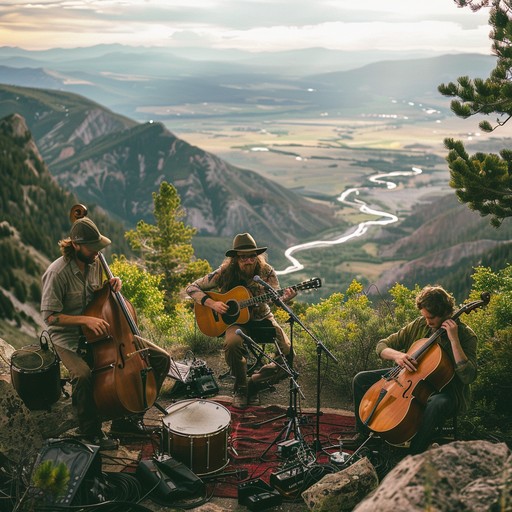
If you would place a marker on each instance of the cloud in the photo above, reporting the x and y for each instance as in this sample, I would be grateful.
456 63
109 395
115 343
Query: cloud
253 25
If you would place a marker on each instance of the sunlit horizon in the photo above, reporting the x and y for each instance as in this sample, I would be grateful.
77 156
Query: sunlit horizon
249 25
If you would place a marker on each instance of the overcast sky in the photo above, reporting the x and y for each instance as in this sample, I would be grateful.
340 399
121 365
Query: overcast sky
254 25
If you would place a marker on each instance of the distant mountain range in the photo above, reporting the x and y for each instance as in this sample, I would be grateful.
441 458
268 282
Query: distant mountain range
160 61
137 81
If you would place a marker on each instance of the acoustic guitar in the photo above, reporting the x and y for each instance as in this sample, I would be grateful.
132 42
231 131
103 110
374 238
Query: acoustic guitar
238 300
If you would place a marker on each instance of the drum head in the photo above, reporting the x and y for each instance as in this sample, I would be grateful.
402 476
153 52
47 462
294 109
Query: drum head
196 417
32 358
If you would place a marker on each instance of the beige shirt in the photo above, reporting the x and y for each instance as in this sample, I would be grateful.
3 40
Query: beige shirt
66 290
197 289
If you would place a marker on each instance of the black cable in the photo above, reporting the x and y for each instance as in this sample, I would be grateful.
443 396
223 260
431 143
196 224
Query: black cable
123 487
118 506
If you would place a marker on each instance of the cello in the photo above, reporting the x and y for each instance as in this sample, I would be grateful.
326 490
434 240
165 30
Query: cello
123 380
394 405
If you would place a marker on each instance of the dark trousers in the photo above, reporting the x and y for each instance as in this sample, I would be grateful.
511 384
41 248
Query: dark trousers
89 421
440 406
235 352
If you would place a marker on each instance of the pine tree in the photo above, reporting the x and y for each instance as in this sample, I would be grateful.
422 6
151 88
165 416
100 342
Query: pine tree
484 181
165 248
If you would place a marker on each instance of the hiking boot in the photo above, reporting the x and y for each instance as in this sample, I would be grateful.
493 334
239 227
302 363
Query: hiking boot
102 440
240 398
253 397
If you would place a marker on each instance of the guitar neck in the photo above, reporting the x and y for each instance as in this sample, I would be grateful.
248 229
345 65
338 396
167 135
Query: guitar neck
258 299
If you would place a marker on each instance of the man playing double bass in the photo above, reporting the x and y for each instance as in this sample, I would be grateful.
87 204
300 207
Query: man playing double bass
436 307
68 286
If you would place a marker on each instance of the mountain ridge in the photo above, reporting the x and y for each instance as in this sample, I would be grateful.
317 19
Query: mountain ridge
109 160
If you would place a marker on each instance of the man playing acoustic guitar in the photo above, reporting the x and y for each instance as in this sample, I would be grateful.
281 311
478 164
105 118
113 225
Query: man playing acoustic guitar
456 340
243 262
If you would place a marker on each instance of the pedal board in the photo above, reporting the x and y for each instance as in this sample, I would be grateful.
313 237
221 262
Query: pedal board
153 480
292 480
258 495
194 379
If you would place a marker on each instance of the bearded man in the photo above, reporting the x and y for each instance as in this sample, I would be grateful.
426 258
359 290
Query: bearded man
243 262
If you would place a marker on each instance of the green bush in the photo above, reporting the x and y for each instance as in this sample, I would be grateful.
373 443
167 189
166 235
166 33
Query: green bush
491 411
349 327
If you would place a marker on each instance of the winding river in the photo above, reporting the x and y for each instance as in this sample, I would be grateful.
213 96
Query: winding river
357 231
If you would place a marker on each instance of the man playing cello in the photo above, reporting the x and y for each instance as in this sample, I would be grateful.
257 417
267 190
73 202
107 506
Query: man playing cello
436 307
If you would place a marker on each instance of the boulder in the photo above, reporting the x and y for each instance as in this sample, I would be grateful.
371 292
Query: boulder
342 490
473 476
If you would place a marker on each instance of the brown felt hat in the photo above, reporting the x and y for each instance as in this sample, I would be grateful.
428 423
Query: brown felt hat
85 232
244 242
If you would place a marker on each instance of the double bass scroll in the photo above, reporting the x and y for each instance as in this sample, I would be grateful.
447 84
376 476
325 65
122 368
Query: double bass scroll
123 380
393 406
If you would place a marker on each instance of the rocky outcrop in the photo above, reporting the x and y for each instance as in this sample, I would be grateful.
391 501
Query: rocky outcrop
474 476
470 476
343 490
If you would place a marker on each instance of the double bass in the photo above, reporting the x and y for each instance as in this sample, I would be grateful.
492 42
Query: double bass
123 380
394 405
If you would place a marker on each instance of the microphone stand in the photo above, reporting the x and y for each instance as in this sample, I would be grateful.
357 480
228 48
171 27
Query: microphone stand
292 425
317 445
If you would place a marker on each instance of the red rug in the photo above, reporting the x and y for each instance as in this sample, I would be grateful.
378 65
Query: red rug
253 450
257 449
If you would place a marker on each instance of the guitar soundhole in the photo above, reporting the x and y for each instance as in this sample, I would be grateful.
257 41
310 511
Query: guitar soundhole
232 313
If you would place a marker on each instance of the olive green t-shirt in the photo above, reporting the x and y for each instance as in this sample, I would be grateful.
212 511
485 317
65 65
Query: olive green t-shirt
465 373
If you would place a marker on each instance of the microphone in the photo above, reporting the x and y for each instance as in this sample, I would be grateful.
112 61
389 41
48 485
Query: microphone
264 284
246 338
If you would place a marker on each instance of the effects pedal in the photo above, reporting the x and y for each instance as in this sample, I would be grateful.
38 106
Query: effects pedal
264 500
290 480
258 495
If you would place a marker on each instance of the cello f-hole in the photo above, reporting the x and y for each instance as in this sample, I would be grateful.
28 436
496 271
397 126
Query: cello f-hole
405 393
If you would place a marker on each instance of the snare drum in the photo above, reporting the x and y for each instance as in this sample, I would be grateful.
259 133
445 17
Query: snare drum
195 432
35 375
